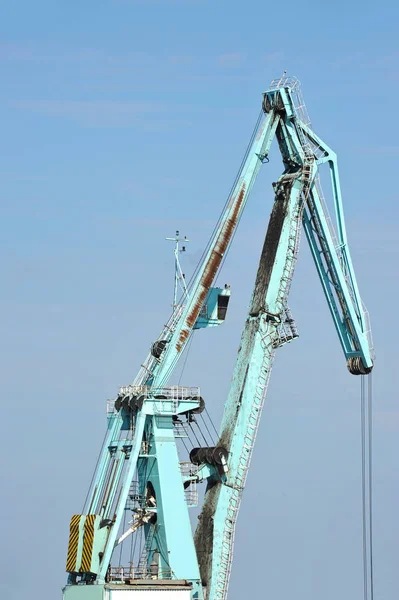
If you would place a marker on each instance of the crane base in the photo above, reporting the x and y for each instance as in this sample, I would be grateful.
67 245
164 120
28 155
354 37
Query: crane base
140 590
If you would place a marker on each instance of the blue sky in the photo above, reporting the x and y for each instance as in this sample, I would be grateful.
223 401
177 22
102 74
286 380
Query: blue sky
122 121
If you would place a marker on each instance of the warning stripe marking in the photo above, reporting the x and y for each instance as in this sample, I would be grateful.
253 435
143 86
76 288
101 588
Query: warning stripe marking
73 544
88 541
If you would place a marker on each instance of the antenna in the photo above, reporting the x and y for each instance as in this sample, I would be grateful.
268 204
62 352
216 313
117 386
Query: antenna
281 79
180 280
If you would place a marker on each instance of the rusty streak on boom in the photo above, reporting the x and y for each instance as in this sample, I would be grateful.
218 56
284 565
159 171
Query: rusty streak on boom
211 268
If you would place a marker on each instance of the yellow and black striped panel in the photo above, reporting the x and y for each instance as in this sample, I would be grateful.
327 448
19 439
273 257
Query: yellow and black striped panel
88 540
73 544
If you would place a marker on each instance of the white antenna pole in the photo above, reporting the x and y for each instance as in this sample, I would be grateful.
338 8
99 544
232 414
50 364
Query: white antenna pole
179 278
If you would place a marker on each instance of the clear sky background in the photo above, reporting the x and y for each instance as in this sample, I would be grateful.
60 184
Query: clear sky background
122 121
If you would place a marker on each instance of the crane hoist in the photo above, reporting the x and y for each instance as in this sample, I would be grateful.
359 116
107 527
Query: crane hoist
139 472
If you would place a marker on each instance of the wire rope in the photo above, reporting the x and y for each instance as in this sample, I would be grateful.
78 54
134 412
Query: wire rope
364 521
370 457
193 432
201 432
184 444
211 422
366 410
94 473
186 431
209 433
186 357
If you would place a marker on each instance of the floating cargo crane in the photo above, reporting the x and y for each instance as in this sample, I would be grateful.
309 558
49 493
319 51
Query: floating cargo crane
139 474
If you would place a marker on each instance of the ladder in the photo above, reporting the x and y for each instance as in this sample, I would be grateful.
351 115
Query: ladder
142 568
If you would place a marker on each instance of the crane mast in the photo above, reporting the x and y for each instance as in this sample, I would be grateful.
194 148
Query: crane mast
139 469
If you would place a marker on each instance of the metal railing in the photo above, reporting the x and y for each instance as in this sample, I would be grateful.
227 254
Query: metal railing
174 392
287 330
111 407
187 469
191 495
165 399
295 87
132 573
134 499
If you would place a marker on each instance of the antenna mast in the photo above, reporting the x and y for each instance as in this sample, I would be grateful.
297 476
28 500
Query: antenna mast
180 280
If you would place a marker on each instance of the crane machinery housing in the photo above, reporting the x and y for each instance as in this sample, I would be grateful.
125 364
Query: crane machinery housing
140 477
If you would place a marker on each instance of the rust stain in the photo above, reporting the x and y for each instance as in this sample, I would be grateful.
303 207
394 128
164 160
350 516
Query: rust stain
211 268
182 339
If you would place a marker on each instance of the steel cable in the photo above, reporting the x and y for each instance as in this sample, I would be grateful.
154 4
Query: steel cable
211 422
364 522
187 352
184 444
370 453
188 436
366 417
193 432
209 433
201 432
94 474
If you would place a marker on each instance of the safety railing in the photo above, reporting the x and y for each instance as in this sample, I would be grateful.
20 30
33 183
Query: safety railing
134 499
174 392
111 407
284 81
130 574
165 399
295 87
187 469
287 330
191 495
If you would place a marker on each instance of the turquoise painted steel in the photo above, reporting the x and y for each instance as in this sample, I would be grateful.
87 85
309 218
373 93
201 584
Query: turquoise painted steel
110 478
243 408
216 250
337 274
121 502
88 592
173 517
210 312
140 435
261 333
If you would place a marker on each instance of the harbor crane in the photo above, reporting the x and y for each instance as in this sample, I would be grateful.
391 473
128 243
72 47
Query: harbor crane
138 502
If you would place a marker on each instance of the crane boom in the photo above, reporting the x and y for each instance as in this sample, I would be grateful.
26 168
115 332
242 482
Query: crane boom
139 469
297 197
260 338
